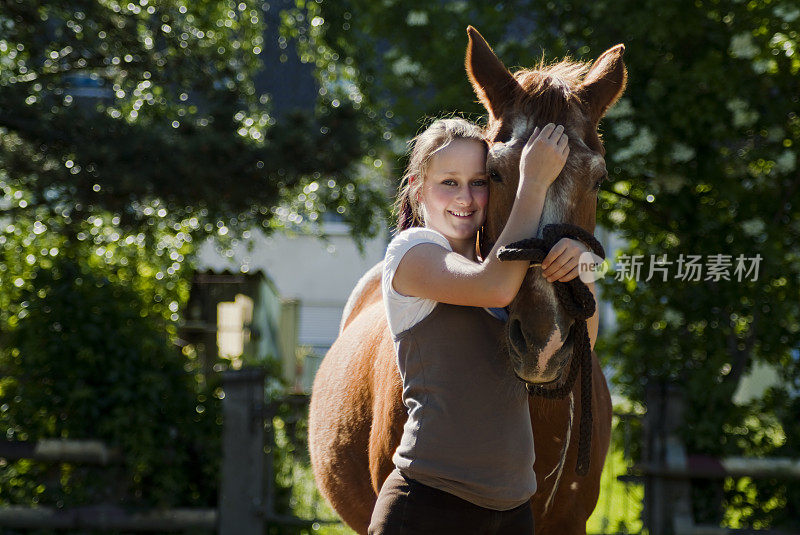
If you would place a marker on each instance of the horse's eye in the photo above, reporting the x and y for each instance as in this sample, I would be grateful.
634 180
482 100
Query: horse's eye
495 176
600 181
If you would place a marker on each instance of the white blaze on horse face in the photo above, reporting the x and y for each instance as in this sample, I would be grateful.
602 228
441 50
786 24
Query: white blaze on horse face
545 293
555 208
552 346
560 199
499 149
522 128
597 165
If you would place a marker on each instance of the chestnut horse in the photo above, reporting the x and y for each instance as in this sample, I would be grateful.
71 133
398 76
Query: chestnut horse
356 414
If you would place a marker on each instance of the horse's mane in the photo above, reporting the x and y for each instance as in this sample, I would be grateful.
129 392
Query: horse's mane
549 90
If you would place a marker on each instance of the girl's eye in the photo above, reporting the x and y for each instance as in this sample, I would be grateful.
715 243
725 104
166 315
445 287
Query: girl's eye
448 182
480 183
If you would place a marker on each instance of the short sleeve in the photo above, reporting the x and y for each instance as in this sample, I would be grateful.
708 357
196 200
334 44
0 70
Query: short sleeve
405 311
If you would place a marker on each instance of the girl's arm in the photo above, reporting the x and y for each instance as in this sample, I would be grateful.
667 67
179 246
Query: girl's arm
430 271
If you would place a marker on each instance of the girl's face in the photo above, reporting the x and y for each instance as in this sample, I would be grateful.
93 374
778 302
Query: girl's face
455 192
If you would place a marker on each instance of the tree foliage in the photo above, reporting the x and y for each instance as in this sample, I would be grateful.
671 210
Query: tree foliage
88 321
702 155
110 105
129 132
87 359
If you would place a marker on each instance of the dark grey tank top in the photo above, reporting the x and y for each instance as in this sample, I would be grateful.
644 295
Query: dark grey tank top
469 428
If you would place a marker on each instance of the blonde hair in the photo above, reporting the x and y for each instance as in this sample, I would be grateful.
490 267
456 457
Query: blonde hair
436 137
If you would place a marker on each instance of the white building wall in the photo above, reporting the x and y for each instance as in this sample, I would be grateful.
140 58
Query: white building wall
319 274
303 267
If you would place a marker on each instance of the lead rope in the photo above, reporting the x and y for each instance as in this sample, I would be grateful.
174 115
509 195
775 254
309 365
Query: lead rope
578 301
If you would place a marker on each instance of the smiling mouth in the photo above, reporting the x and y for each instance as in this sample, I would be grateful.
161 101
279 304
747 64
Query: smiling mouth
461 214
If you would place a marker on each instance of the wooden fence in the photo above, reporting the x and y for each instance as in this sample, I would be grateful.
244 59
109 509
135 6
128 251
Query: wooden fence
667 470
246 497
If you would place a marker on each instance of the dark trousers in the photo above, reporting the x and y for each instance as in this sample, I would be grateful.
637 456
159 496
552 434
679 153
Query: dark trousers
407 507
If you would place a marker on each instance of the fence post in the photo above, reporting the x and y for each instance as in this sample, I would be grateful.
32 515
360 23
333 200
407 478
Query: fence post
242 488
667 502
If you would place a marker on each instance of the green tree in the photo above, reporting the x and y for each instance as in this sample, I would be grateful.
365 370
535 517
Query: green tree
111 105
129 132
87 359
702 155
86 351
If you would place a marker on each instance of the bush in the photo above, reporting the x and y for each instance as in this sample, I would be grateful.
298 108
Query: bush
86 359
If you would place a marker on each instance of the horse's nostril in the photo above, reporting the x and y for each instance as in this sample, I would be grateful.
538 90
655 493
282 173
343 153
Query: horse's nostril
516 337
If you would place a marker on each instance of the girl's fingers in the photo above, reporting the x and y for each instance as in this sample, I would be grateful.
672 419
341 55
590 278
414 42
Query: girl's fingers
553 267
564 270
564 256
557 131
563 141
547 130
554 253
557 249
569 276
534 136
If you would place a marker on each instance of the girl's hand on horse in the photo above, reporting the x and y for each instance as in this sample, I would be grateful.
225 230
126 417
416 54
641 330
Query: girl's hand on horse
542 158
561 263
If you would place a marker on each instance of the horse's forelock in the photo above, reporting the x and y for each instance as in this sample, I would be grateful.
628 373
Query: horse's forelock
548 92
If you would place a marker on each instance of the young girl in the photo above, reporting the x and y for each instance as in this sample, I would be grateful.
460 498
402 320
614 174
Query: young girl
465 460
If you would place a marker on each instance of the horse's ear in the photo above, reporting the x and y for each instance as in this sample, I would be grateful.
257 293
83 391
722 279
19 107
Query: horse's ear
493 83
604 82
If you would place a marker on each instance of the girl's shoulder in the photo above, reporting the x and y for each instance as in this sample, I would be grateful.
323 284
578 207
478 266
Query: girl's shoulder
403 311
414 236
400 245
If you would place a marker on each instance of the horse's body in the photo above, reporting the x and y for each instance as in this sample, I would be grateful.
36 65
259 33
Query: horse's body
356 414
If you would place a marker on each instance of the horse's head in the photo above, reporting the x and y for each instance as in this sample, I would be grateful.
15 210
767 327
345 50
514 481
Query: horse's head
576 95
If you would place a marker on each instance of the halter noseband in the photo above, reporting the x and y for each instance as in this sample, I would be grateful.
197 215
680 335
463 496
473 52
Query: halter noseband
579 304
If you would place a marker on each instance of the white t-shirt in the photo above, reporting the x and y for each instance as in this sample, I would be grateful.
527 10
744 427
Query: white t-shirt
405 311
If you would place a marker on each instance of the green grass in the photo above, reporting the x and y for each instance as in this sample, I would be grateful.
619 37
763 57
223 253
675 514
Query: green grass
307 503
619 506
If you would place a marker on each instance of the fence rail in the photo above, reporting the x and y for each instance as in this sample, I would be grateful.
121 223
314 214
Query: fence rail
61 450
246 498
107 518
707 467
